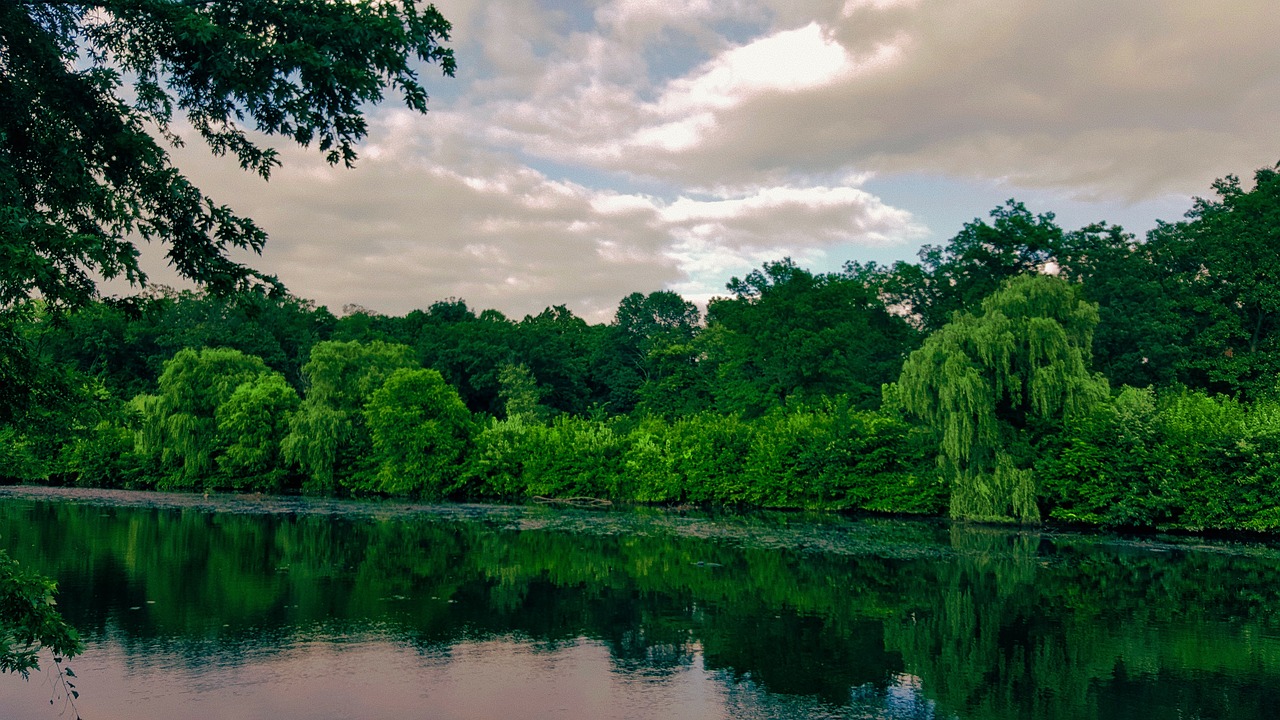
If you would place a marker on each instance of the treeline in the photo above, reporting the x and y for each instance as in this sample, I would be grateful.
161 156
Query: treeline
1019 371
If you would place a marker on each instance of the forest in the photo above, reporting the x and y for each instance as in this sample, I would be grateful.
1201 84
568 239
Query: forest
1018 372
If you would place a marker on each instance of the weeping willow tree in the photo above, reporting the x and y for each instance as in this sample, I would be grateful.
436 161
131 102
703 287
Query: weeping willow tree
179 425
328 437
992 385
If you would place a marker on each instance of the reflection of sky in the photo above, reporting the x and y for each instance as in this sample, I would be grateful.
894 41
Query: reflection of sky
371 677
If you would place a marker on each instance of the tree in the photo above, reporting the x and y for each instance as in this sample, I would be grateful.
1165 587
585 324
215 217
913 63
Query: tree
251 423
28 620
1224 260
555 345
658 315
419 428
788 334
468 350
675 386
80 176
643 325
993 385
973 264
182 421
328 437
520 393
1142 334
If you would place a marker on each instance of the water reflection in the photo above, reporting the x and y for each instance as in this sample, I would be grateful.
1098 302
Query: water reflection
324 610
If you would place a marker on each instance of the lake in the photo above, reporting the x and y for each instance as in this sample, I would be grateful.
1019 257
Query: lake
247 607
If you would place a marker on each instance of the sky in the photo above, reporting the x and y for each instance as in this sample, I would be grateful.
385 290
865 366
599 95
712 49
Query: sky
587 150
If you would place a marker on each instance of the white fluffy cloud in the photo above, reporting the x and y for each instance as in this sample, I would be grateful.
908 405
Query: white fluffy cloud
588 150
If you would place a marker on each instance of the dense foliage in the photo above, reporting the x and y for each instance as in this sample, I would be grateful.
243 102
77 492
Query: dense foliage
1020 372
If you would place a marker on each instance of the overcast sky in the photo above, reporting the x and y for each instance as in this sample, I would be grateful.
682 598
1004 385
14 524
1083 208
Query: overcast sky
587 150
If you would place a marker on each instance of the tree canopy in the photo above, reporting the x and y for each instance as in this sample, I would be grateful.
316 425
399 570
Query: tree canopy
1224 262
81 176
958 275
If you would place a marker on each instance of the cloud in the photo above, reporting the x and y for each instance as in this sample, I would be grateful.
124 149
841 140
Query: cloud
1099 98
790 61
792 217
427 215
588 151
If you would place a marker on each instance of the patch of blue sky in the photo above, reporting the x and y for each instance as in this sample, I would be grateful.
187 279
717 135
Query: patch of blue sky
741 31
678 53
673 56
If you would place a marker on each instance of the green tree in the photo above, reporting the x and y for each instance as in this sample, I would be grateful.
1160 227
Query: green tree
1223 260
46 403
643 325
555 345
419 428
675 384
126 341
251 424
993 385
28 620
81 177
973 264
520 393
183 417
788 335
468 350
662 314
1143 333
328 437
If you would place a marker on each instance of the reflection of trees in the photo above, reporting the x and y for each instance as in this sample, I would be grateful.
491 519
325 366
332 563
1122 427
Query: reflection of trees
980 638
1001 624
1021 625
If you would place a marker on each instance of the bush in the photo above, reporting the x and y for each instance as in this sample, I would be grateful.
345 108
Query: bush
835 457
1103 469
1178 460
572 457
104 457
828 457
700 458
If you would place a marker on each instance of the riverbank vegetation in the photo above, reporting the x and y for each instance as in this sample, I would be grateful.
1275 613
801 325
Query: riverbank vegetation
1018 372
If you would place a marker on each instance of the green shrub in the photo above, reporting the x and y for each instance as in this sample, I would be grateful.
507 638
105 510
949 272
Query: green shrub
103 457
571 457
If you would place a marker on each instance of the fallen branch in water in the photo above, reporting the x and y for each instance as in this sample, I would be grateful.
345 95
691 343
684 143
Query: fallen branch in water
586 502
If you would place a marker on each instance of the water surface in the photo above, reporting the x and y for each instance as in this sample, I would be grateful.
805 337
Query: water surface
245 607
